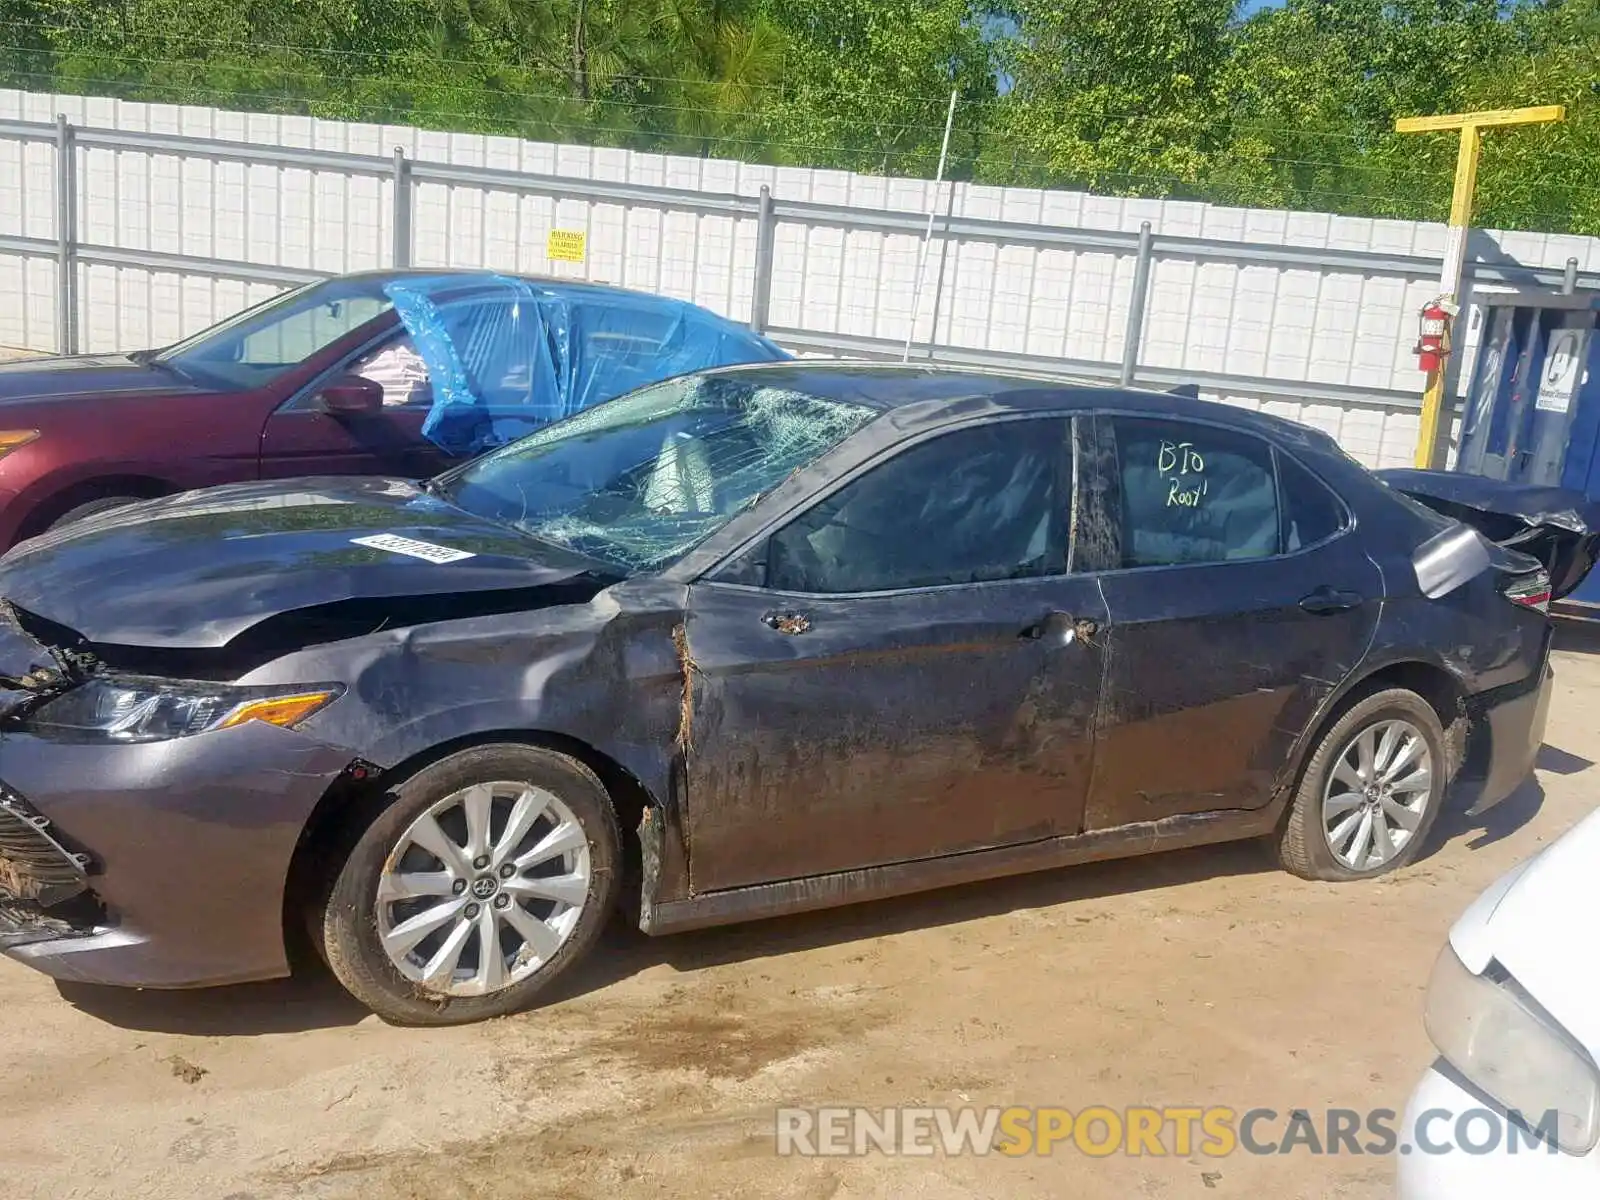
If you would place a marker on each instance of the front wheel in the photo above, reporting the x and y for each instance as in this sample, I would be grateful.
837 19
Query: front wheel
1370 791
488 874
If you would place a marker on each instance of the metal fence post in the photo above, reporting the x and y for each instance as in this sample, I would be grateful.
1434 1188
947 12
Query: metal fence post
401 255
66 239
1569 280
1138 299
761 296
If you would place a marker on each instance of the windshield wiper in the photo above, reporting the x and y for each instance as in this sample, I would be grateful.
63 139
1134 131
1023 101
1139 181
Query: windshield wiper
147 358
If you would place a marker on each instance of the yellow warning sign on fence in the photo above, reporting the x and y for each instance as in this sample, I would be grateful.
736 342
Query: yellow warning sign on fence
565 245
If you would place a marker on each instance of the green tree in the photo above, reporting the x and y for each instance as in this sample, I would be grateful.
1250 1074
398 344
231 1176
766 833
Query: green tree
1543 177
1314 89
866 83
1293 106
1121 98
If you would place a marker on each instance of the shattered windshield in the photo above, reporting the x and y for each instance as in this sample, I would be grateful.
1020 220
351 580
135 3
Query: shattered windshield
639 480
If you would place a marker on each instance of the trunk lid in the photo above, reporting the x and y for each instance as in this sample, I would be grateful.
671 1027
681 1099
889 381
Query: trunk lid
1558 527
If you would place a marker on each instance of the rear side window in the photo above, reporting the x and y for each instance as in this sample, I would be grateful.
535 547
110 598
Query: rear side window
1194 494
1311 513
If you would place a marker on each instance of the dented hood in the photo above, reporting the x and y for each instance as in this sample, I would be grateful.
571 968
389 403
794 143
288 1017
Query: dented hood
29 670
195 571
1560 528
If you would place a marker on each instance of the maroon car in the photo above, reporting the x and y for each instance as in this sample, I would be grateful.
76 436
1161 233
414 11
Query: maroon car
327 379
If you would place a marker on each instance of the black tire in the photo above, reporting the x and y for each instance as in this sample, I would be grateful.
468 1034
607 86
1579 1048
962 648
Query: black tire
348 922
90 508
1303 845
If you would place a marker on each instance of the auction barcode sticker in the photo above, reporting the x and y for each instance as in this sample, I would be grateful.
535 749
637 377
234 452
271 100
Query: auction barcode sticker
404 545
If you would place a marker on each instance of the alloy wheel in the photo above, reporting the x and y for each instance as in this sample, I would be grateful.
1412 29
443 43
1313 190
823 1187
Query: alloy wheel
1377 794
483 889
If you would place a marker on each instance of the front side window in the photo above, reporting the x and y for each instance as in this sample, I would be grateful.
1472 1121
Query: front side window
400 371
1194 494
639 480
967 507
256 346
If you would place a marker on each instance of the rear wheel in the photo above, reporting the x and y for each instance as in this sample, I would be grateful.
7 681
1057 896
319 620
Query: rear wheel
1370 791
489 873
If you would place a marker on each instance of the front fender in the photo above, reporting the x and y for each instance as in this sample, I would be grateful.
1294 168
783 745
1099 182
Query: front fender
593 672
650 761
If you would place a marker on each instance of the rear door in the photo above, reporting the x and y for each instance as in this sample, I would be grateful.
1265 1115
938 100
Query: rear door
896 673
1238 596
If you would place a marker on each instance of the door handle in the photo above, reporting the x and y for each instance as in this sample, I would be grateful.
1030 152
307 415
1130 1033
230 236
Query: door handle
1326 600
1058 627
787 622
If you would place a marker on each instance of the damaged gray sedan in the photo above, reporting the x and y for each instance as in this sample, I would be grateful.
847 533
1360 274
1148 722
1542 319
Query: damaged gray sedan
746 642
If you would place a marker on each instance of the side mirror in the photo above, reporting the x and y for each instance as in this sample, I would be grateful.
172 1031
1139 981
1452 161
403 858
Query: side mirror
351 395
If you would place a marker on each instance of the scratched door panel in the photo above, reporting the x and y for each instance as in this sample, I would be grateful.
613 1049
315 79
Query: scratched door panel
1215 665
887 728
901 674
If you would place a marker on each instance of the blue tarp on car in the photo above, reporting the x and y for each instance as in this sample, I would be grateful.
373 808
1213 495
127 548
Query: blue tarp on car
508 356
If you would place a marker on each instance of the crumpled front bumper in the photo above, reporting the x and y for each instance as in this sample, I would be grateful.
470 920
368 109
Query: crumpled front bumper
185 850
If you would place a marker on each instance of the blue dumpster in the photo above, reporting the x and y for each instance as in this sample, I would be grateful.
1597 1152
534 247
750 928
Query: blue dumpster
1532 407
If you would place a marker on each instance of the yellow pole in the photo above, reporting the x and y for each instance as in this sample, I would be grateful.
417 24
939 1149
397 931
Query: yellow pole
1430 443
1466 176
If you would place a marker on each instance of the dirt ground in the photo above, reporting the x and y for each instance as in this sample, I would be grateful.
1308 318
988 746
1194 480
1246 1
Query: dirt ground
1197 977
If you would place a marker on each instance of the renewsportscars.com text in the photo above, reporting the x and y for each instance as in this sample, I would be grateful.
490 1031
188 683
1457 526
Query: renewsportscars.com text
1176 1131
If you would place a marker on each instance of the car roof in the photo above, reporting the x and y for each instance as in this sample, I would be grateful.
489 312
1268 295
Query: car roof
571 288
886 386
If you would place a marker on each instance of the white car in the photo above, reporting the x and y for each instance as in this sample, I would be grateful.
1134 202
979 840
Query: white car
1514 1009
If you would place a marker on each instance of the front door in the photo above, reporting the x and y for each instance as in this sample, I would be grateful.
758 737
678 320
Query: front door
1236 602
906 670
301 439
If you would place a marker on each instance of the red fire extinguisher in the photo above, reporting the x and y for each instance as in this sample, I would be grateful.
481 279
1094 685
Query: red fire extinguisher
1433 339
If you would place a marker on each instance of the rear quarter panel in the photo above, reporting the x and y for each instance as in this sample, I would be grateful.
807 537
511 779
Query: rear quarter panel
1473 632
1482 639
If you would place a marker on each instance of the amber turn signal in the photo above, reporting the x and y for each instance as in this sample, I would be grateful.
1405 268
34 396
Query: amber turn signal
283 711
15 439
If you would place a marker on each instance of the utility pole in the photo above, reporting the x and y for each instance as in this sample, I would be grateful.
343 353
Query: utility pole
1471 126
922 255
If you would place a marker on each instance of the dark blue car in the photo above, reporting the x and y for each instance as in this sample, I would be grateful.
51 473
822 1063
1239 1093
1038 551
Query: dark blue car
746 642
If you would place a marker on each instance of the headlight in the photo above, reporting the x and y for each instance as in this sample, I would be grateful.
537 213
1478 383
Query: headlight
1497 1036
154 710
